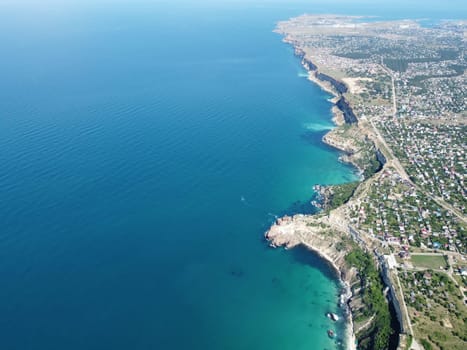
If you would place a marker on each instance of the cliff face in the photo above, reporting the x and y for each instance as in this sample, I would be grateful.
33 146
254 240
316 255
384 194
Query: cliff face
356 141
335 85
328 237
309 65
349 116
315 233
339 86
339 139
380 157
351 142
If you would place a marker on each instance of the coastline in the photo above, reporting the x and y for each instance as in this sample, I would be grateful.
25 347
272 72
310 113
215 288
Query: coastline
350 338
290 240
307 231
338 120
320 83
330 233
397 142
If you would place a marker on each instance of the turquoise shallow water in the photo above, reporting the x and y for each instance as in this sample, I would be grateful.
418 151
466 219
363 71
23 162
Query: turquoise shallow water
145 148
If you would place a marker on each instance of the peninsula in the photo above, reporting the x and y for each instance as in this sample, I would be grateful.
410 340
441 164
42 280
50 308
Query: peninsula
397 238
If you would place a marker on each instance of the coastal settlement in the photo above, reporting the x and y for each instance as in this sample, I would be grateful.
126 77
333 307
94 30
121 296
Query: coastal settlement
399 234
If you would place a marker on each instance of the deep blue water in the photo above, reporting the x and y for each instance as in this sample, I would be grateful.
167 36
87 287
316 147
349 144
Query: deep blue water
145 147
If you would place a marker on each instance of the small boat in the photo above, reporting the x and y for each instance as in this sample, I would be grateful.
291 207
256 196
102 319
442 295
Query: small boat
332 316
331 333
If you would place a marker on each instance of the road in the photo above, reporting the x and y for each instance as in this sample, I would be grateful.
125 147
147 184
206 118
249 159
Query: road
402 302
394 161
338 218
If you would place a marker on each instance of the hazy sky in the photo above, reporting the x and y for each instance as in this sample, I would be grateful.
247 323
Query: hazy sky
461 4
423 8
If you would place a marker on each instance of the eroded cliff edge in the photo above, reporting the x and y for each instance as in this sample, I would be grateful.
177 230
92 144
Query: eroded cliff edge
330 234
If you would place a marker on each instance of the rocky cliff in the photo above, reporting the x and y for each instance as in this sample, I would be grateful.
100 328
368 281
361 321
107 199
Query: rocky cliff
316 233
338 85
349 116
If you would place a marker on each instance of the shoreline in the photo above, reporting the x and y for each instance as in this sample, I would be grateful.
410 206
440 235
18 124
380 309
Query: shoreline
350 339
358 147
338 120
329 234
287 232
372 222
320 83
337 113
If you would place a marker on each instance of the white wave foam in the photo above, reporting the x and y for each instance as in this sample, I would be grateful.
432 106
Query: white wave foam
318 126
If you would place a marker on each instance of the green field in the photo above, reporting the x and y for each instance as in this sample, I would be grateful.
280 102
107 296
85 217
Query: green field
429 261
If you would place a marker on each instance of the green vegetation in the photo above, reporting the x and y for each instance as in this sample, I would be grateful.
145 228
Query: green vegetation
438 305
378 334
426 344
429 261
409 340
391 205
459 69
342 193
401 64
340 246
419 79
437 167
372 167
448 54
430 82
397 65
356 55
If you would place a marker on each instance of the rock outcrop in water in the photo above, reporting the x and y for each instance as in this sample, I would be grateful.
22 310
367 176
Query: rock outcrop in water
330 235
314 232
330 238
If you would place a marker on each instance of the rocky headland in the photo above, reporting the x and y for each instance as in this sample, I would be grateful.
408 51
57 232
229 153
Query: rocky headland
326 236
351 136
397 99
329 236
329 233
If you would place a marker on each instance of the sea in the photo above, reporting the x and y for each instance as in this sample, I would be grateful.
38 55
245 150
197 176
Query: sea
145 148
